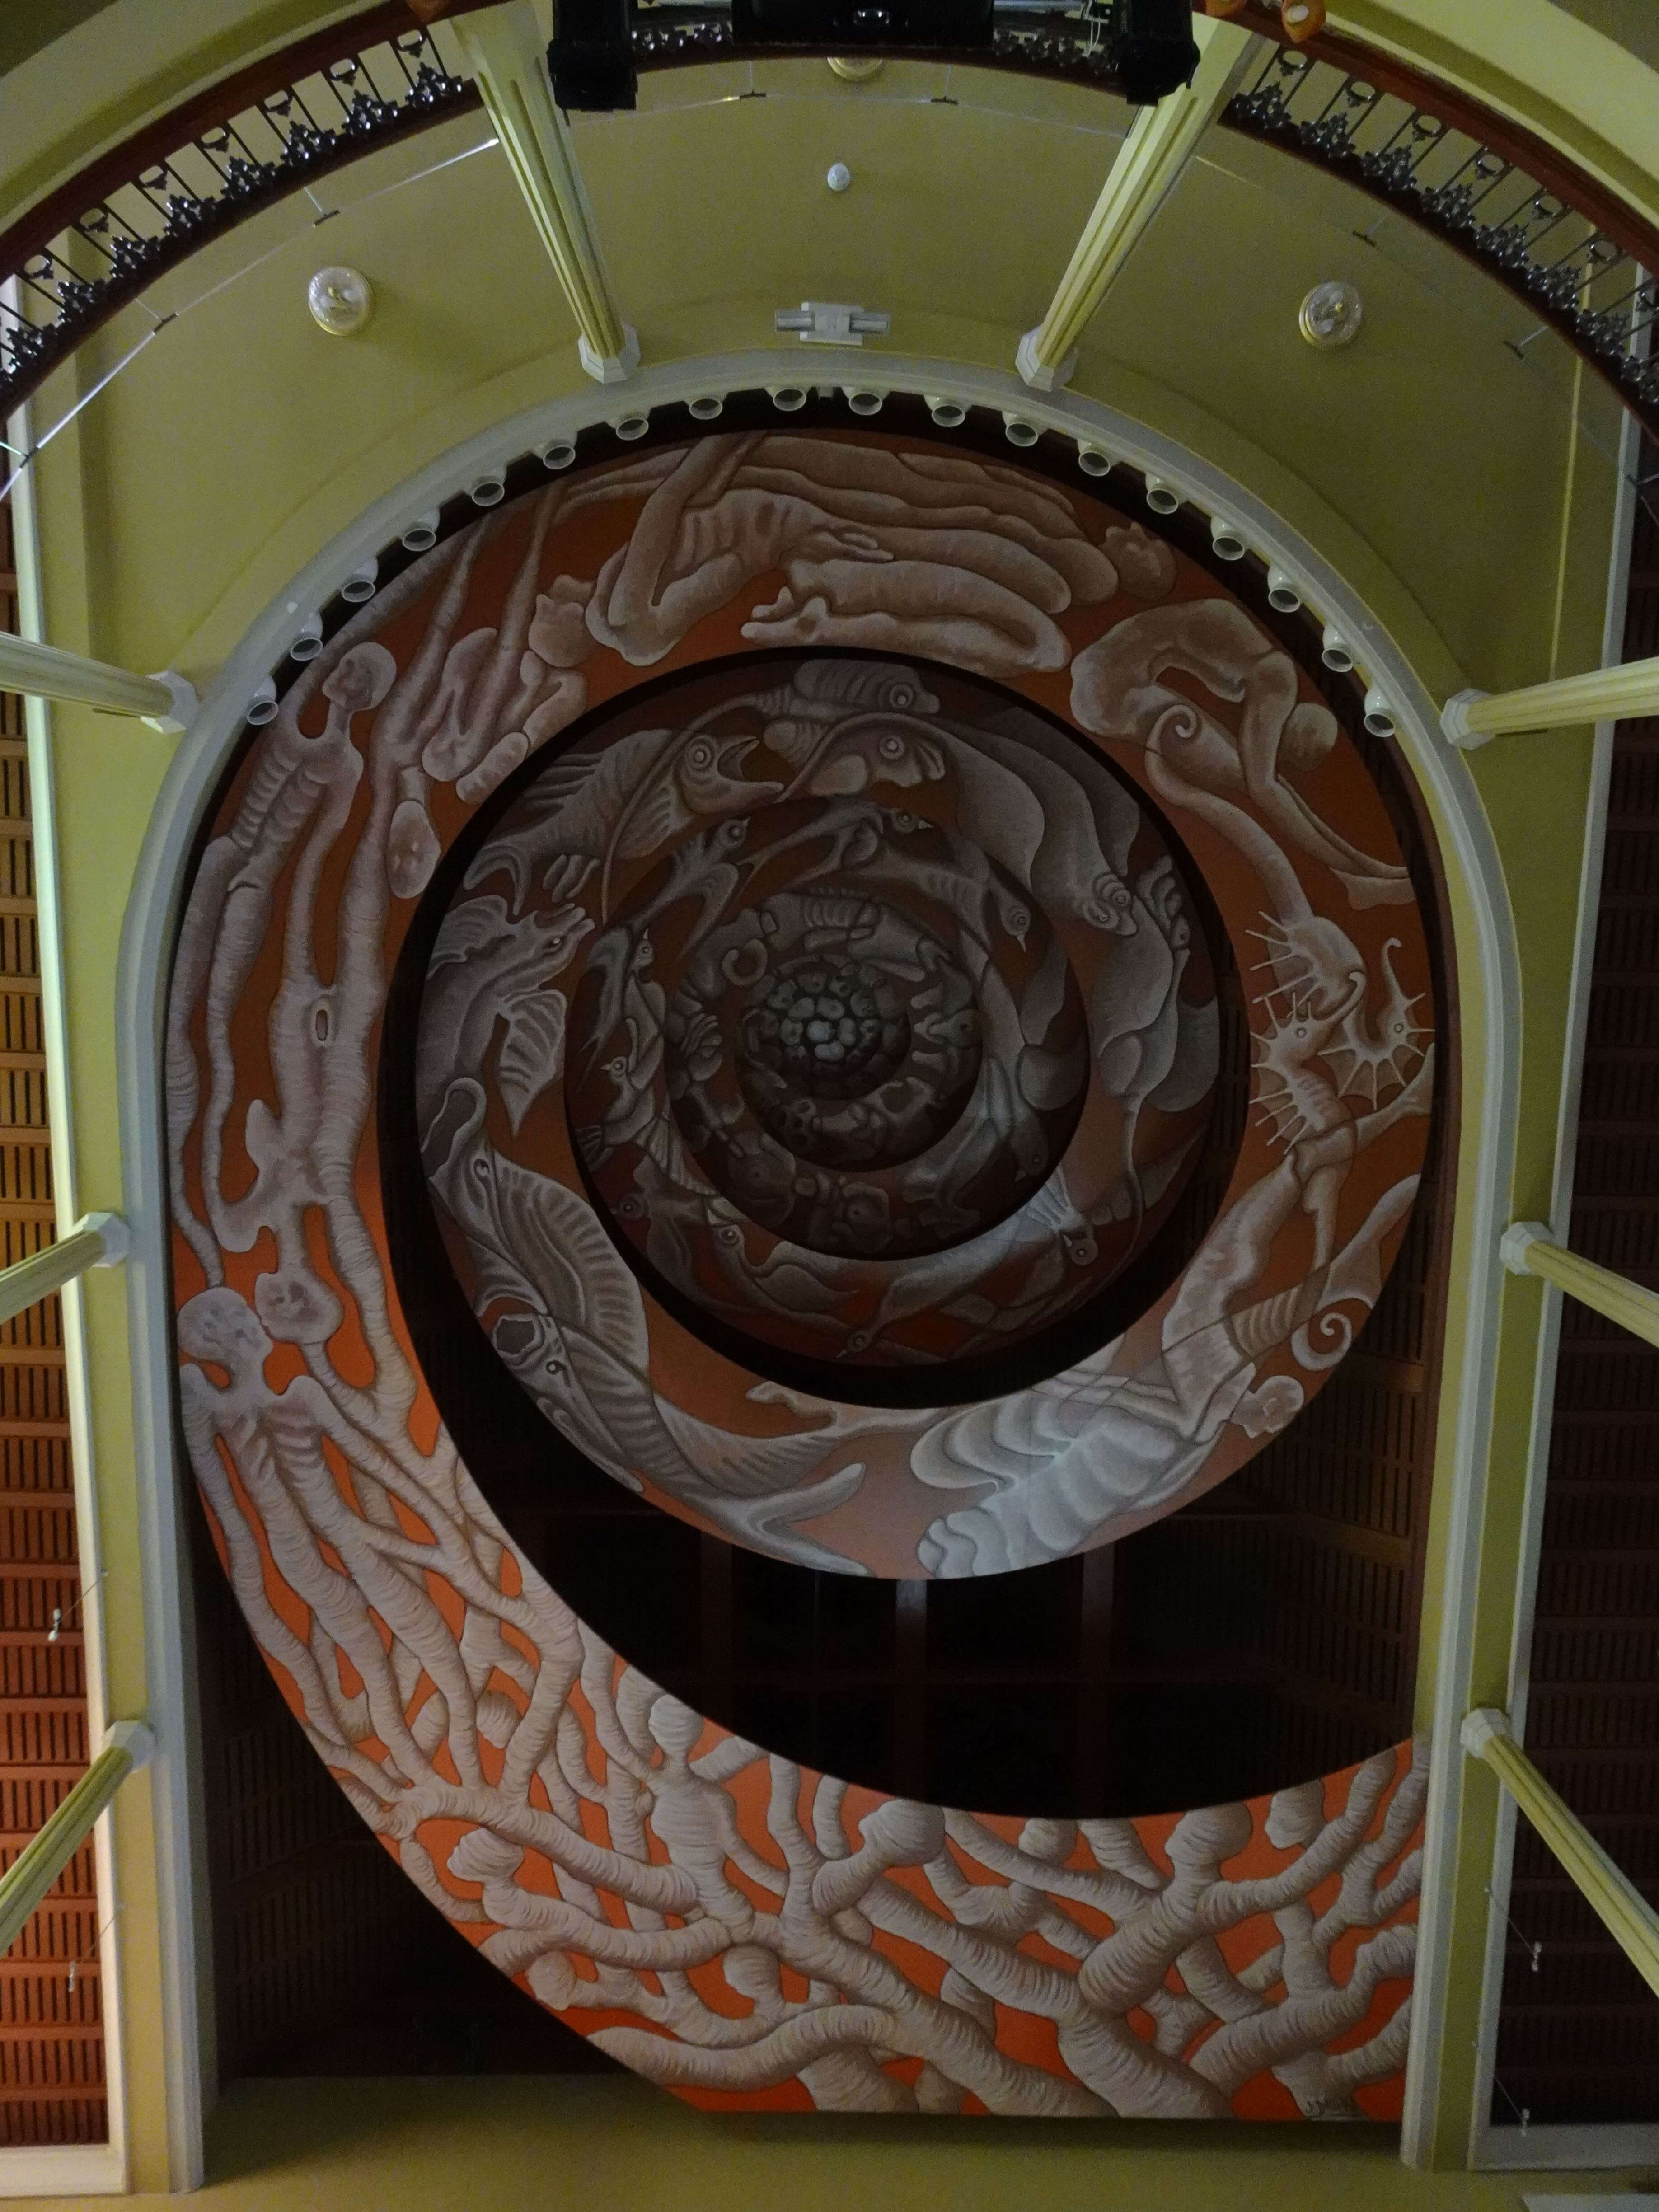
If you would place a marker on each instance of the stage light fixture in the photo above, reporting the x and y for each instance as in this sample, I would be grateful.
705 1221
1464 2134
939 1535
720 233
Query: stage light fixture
590 58
835 26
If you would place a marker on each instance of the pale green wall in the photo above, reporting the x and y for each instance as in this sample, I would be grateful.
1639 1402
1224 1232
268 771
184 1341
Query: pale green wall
102 70
584 2145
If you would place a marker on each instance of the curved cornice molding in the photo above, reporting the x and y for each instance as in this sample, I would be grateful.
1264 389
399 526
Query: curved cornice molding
1532 62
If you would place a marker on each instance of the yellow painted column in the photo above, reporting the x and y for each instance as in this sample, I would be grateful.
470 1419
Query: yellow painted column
1601 695
504 51
43 672
1529 1250
1612 1895
1160 143
43 1858
99 1241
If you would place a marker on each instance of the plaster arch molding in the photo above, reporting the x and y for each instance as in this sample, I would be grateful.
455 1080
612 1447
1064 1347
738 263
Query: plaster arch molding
821 859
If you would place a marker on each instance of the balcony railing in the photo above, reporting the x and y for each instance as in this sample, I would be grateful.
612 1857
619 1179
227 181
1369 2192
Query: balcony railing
102 241
1537 225
1500 197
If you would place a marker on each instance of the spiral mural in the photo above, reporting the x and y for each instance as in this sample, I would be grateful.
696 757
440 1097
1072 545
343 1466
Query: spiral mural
815 1044
882 1085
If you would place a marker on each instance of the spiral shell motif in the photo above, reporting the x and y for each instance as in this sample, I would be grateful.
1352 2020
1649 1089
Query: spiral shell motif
827 1064
853 996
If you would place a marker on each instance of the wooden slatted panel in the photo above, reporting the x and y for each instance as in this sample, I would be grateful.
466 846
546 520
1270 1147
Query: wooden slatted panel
1579 2039
51 2036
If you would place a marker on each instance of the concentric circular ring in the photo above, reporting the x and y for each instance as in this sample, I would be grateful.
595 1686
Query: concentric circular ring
835 1075
713 987
814 1357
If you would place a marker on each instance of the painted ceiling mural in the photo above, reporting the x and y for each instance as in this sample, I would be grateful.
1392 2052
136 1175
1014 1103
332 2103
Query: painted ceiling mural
829 851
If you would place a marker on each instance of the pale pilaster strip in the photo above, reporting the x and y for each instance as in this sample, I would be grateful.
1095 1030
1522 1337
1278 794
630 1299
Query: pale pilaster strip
505 53
1160 143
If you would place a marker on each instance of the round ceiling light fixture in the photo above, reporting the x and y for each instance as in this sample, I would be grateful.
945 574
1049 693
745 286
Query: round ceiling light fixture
341 301
1331 316
839 177
856 68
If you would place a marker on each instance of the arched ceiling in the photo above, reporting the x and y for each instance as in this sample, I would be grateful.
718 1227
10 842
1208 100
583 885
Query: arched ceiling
1198 339
89 73
23 33
1630 23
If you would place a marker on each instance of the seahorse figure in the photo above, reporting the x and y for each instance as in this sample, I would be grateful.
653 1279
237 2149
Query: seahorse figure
1316 1002
1359 1061
1366 1060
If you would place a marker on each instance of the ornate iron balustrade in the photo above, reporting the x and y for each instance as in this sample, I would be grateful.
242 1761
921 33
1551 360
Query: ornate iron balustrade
1541 227
1586 265
97 245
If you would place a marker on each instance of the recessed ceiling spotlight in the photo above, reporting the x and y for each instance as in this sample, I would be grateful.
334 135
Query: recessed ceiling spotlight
840 177
1331 315
341 301
1162 498
856 68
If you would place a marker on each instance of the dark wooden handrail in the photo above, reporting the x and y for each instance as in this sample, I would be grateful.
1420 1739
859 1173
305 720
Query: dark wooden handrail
1629 230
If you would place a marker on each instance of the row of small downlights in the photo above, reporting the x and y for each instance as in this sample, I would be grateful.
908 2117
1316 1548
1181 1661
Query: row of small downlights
488 489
